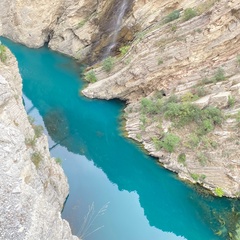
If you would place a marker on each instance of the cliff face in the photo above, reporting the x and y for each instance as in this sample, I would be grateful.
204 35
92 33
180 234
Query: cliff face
196 59
185 48
33 186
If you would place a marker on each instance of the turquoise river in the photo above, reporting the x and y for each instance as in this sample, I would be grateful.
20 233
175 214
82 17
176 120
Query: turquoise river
117 192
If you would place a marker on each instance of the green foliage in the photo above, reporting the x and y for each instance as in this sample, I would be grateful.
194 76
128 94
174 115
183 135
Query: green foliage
58 160
36 158
189 97
169 142
108 64
219 75
202 177
194 140
219 192
160 61
124 49
195 176
174 27
172 16
30 142
189 13
182 158
31 120
38 130
231 101
238 59
201 92
81 23
202 158
90 76
3 54
151 107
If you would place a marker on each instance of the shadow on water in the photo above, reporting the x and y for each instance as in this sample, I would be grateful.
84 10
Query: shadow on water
88 130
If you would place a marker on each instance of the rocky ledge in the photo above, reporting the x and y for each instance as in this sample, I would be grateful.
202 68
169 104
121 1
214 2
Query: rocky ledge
33 186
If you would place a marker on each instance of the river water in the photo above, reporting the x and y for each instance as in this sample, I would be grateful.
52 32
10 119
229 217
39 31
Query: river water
117 192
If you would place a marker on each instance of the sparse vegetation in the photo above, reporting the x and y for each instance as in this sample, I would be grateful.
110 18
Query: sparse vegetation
182 158
3 54
160 61
238 59
231 101
90 76
219 192
36 158
168 143
81 23
108 64
194 176
30 141
38 130
58 160
189 13
172 16
124 49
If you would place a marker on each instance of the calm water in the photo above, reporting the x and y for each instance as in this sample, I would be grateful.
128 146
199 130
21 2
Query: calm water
122 193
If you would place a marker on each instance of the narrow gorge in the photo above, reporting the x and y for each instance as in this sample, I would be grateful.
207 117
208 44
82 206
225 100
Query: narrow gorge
176 67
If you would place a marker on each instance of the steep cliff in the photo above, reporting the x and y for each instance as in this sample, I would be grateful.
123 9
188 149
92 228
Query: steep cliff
33 186
185 48
186 55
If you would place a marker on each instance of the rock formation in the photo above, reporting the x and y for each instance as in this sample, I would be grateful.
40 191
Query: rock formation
184 48
33 186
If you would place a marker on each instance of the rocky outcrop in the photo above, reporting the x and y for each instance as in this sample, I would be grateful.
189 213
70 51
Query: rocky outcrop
181 57
33 186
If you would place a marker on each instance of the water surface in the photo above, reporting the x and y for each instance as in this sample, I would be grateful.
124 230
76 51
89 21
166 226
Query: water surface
124 192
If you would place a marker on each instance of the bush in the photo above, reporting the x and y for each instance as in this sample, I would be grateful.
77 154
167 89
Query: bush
150 107
58 160
195 176
231 101
219 192
38 130
172 16
189 13
124 50
3 54
189 97
219 75
90 77
108 64
182 158
169 142
36 158
30 142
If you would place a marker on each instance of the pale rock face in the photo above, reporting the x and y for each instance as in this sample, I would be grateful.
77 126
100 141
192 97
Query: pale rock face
32 196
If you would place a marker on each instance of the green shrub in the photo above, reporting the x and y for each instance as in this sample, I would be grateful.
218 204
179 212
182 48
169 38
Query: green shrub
219 75
90 77
195 176
189 97
219 192
30 142
3 54
238 59
36 158
202 158
151 107
169 142
231 101
182 158
202 177
160 61
58 160
189 13
124 49
172 16
201 92
194 140
38 130
108 64
214 114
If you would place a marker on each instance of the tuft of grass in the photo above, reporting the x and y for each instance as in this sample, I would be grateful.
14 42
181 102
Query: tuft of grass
36 158
172 16
182 158
238 59
30 142
231 101
81 23
218 191
3 54
58 160
124 49
189 13
90 76
108 64
194 176
38 130
160 61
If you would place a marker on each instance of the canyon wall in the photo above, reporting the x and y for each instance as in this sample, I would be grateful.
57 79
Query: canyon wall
33 186
185 48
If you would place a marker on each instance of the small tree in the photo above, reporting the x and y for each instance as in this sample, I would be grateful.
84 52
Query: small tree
108 64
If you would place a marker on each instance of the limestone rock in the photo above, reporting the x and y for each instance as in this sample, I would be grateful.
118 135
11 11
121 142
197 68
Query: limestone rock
32 194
